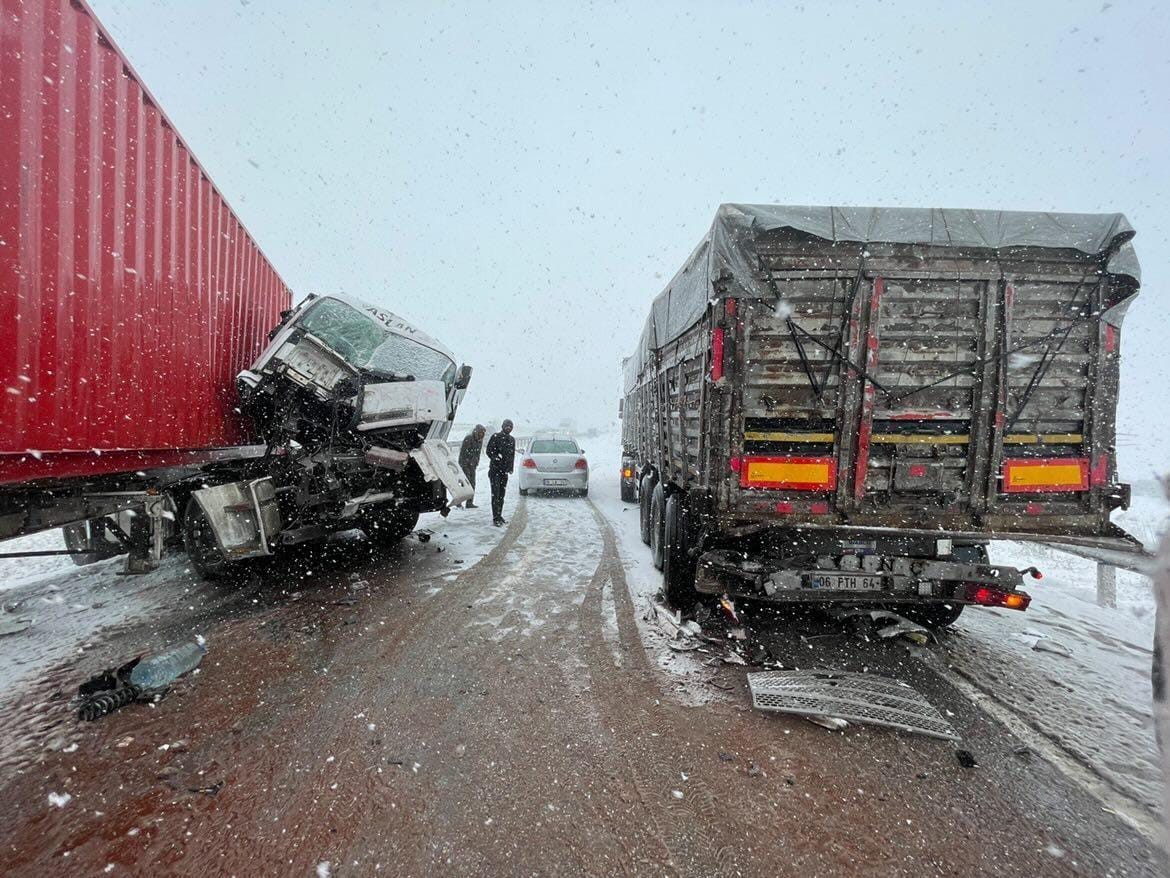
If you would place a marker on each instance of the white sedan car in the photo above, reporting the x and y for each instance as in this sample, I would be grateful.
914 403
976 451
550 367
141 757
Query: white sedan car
553 463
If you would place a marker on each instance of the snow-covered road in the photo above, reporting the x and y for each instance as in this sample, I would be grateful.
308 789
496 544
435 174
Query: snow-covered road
504 701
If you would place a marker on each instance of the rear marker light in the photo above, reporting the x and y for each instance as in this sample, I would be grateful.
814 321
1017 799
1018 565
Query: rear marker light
627 473
985 596
789 473
717 353
1045 475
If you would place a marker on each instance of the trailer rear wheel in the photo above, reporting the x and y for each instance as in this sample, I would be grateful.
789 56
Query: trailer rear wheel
678 568
628 492
647 488
935 616
657 516
199 543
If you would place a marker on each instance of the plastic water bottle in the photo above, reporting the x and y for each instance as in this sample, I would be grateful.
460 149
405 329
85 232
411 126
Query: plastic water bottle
159 671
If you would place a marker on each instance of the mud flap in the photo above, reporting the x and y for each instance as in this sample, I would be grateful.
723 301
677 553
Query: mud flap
436 461
243 516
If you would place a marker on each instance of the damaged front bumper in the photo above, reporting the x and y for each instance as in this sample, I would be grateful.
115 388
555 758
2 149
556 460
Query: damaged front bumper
866 579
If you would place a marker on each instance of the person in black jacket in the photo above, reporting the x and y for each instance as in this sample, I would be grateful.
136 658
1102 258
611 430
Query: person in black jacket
501 452
469 458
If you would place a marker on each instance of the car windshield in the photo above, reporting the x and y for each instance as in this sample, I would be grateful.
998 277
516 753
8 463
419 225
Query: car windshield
363 343
553 446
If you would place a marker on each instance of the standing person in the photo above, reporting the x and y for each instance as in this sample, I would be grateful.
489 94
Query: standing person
501 451
469 458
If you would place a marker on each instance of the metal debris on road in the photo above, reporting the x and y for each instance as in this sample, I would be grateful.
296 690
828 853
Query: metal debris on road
1055 647
863 698
832 723
9 625
885 624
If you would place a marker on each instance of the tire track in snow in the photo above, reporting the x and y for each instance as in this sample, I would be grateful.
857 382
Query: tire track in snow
680 824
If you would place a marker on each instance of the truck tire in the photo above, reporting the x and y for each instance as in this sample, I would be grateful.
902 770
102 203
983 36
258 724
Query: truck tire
678 568
628 492
199 543
87 543
933 616
390 526
647 489
657 519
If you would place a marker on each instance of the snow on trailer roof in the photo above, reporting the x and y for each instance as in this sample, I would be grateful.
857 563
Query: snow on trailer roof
725 264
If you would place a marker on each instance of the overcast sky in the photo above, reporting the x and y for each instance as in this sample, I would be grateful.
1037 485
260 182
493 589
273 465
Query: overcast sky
521 179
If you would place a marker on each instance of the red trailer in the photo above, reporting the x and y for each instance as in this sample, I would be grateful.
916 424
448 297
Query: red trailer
131 293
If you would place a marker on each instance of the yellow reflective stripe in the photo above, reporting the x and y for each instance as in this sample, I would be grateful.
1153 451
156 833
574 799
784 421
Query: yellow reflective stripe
1045 475
1046 439
788 437
786 473
917 439
920 438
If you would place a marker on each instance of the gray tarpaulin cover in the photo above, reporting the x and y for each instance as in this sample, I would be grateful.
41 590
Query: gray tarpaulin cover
726 262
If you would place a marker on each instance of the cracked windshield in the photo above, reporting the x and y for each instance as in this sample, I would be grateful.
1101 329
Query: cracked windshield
662 438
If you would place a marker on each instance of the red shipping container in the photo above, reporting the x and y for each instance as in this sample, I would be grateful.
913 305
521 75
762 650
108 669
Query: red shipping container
130 294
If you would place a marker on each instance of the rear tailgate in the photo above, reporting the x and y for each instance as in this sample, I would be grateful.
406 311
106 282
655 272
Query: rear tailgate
931 390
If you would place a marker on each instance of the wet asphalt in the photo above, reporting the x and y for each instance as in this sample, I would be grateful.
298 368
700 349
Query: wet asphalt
514 718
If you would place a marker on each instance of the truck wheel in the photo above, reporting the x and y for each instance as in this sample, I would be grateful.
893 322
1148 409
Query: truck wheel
199 543
391 526
87 543
933 616
628 492
657 514
678 569
647 488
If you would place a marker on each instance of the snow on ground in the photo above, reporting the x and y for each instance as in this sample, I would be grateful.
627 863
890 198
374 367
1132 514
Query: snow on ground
1076 672
690 671
15 572
76 612
1095 703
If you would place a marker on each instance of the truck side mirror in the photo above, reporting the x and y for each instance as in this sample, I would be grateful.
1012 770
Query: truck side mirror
463 378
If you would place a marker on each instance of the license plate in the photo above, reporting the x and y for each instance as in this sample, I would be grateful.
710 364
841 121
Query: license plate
555 483
845 582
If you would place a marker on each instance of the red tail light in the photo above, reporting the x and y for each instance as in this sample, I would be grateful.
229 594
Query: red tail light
717 353
529 463
986 596
581 463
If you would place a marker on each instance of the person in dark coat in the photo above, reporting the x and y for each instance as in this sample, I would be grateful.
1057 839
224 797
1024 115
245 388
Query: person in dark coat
501 452
469 458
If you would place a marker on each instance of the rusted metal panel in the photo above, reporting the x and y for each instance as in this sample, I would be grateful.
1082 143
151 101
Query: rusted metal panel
132 295
921 369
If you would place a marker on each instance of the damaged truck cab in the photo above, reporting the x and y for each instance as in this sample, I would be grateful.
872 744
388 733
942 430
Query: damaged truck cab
353 405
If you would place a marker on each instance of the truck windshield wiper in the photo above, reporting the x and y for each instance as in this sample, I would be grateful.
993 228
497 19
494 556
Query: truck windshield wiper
383 375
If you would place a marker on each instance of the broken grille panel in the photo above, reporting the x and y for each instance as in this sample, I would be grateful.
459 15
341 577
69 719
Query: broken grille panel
862 698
